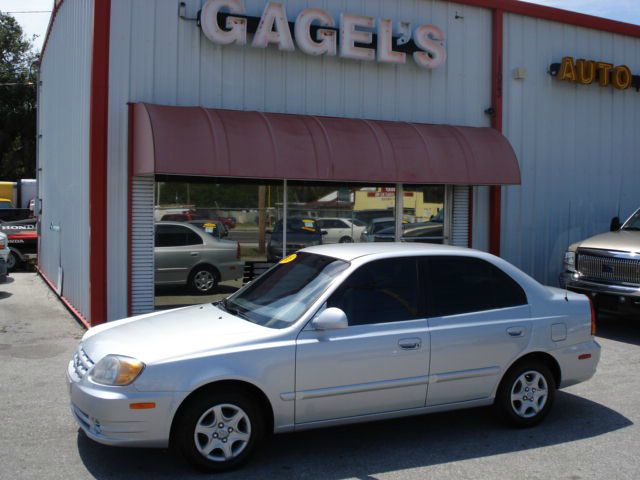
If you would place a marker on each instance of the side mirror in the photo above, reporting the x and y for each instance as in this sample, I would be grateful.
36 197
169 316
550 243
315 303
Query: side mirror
324 232
615 224
330 319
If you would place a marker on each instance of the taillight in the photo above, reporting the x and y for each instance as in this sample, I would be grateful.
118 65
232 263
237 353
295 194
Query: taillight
238 251
593 317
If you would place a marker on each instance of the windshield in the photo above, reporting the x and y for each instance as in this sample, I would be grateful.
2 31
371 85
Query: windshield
280 296
633 223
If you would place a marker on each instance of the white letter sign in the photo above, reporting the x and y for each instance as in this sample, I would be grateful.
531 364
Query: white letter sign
326 43
274 15
237 27
315 33
349 35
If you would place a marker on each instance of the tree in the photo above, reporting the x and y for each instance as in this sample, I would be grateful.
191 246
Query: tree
17 102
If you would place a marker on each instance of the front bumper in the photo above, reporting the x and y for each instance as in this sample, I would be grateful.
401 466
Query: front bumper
570 281
104 413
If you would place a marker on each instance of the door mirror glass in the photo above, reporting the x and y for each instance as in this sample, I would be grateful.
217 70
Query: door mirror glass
615 224
330 319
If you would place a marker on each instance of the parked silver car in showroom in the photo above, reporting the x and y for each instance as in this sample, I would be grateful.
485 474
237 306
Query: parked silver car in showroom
187 255
331 335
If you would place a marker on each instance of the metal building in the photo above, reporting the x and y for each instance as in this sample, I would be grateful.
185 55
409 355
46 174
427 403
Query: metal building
529 115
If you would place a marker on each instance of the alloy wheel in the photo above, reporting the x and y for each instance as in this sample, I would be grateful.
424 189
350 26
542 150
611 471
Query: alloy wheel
204 280
222 433
529 394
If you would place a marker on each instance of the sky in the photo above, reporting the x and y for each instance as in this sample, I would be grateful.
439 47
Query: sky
36 23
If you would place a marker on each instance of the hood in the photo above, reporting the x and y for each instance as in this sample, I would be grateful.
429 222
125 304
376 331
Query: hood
175 333
622 240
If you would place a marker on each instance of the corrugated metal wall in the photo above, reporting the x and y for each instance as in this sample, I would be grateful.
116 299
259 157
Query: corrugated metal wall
63 122
142 236
460 217
156 57
578 145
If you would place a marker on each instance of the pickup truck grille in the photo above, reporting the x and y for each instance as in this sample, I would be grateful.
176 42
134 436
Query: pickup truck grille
608 269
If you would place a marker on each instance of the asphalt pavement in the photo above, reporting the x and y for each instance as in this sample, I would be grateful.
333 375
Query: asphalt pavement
592 432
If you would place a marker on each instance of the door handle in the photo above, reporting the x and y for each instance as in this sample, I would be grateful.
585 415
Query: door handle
194 254
515 331
410 343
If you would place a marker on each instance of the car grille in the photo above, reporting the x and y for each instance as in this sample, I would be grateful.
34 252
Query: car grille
608 269
81 362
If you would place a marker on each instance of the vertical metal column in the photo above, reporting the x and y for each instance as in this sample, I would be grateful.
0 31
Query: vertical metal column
284 221
399 211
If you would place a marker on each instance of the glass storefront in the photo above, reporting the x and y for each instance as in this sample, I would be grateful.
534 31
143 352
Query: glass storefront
209 232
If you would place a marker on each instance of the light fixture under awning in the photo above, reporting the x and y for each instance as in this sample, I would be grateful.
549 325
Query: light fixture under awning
194 141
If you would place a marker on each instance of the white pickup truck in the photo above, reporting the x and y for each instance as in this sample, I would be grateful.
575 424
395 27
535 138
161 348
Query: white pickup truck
4 256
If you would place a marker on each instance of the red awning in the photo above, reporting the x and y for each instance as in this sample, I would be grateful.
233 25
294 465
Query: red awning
229 143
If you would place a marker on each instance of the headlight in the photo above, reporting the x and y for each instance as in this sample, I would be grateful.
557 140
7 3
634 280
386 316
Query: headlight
570 261
116 370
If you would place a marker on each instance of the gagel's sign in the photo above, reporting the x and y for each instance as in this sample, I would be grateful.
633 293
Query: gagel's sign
315 33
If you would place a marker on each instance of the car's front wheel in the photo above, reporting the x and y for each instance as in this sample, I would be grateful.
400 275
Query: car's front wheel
526 394
218 432
13 261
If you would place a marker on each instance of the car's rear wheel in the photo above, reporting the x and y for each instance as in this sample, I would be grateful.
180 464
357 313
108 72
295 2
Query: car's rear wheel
526 394
346 240
203 280
218 431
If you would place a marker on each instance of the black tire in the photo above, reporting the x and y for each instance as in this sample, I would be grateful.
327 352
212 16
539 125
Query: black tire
203 279
346 240
13 261
198 412
526 413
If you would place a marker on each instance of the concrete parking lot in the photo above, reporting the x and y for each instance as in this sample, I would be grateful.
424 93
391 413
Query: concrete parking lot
591 433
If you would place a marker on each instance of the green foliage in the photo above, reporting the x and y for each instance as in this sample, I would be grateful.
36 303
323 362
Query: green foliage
17 102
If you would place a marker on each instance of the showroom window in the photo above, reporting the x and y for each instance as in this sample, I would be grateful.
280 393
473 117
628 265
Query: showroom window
247 218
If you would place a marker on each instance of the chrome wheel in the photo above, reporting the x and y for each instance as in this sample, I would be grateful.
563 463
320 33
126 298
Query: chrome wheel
222 433
204 280
529 394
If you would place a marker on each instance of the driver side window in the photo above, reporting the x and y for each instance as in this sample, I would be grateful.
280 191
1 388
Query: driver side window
381 291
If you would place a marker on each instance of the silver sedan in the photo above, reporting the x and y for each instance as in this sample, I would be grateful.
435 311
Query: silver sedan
186 254
332 335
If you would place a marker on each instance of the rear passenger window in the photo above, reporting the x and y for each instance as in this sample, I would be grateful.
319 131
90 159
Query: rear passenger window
176 236
457 285
381 291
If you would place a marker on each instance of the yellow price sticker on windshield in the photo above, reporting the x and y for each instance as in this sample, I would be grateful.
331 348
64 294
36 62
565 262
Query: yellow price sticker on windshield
289 259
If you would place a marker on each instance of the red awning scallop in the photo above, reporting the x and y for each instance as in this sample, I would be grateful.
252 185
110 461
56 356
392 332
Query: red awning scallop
229 143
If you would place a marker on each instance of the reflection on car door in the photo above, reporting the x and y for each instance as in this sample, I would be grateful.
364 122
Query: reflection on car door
380 363
479 321
177 250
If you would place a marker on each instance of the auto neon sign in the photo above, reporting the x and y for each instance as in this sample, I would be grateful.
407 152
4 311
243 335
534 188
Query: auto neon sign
315 32
587 72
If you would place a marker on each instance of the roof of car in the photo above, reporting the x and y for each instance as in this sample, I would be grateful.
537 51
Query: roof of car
350 251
